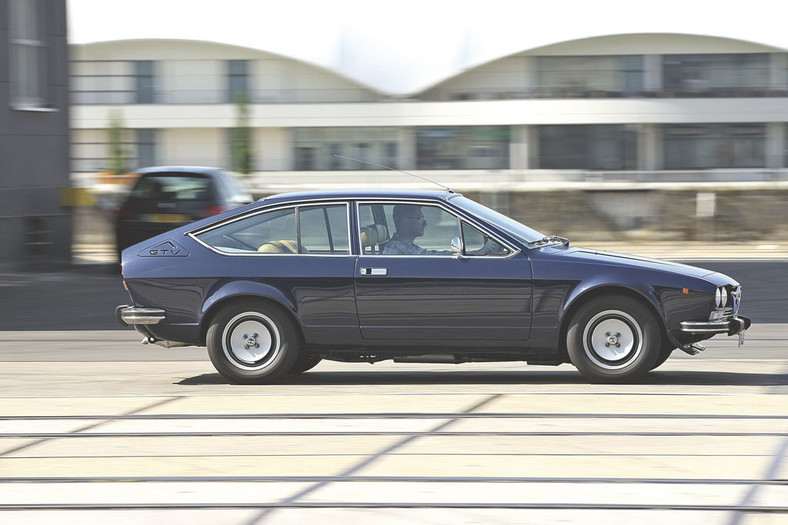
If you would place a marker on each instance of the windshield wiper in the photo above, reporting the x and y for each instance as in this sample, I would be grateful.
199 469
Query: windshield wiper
550 238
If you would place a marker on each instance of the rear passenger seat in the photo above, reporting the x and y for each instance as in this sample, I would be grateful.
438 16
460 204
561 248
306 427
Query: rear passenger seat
279 247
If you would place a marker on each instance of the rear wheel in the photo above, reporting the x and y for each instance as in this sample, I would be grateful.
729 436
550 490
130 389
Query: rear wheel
614 339
252 342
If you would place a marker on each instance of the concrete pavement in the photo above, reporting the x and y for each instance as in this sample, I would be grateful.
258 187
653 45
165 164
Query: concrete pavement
703 440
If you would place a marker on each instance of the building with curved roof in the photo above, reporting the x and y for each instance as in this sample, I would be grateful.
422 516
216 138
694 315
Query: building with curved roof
645 106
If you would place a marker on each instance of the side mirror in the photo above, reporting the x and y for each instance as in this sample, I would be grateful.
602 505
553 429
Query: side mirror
457 247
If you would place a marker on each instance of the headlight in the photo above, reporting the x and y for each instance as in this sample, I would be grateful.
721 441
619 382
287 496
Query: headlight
721 298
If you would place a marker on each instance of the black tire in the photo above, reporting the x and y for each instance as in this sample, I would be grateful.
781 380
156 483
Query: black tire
252 342
613 339
664 354
305 361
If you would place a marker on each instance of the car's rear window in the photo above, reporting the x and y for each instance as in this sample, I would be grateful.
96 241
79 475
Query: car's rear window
173 187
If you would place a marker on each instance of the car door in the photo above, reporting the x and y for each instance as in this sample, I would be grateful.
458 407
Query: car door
418 290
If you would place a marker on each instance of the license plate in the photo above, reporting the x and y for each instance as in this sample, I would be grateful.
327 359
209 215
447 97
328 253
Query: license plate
741 338
166 217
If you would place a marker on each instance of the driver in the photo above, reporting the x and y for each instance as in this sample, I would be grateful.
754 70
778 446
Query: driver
410 223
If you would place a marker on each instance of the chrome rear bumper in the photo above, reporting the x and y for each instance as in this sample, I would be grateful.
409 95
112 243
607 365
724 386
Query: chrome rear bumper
731 326
132 315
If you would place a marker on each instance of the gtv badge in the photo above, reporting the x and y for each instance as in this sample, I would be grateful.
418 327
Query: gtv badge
168 248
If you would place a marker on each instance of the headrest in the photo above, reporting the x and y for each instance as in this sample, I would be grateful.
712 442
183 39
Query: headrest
279 247
373 234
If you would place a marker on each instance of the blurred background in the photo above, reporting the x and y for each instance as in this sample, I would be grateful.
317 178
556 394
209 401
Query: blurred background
666 129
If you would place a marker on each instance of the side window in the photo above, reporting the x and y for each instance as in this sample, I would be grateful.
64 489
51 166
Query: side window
324 229
476 243
268 232
406 229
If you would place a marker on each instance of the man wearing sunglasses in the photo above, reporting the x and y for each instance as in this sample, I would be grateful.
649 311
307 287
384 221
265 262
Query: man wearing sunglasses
410 223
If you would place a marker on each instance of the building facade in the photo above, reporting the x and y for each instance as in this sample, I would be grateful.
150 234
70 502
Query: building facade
657 107
35 220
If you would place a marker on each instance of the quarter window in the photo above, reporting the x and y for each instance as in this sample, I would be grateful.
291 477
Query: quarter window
476 243
302 229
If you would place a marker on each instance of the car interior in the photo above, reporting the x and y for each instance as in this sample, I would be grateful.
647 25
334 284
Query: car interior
373 238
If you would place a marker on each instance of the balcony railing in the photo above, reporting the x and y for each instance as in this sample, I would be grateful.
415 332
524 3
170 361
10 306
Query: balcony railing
212 96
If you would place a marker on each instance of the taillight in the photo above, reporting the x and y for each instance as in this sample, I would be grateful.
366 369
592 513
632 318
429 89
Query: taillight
214 210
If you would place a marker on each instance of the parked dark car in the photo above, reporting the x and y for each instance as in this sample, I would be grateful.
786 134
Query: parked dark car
166 197
274 287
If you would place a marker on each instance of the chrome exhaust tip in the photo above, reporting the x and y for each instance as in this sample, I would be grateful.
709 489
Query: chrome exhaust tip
693 349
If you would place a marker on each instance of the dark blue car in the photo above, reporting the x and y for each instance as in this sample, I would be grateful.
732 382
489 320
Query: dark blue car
418 276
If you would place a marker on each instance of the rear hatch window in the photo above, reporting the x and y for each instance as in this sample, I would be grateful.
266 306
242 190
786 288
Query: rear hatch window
173 187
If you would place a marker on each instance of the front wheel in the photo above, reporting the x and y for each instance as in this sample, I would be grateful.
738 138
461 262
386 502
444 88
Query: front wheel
252 342
614 339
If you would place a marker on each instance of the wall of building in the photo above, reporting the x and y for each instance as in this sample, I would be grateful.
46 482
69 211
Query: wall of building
35 221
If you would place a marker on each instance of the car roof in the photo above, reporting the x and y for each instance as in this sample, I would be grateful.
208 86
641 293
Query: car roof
360 194
202 170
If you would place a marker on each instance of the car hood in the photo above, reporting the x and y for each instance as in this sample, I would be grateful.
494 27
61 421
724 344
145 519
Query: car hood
626 260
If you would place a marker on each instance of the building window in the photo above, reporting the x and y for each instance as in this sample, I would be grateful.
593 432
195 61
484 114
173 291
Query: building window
103 82
237 80
391 157
90 150
590 76
722 75
709 146
304 159
316 148
463 148
598 147
146 148
28 53
144 75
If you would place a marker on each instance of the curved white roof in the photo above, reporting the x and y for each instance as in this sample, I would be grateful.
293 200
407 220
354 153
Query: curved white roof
406 46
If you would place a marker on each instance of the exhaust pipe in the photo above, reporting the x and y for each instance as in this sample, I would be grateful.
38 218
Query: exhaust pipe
693 349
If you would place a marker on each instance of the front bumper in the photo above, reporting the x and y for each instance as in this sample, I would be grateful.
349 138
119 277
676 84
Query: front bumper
132 315
730 326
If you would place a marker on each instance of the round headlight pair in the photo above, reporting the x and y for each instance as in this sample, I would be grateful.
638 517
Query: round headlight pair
721 298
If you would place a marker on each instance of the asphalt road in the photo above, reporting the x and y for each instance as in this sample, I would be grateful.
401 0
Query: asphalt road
95 428
84 297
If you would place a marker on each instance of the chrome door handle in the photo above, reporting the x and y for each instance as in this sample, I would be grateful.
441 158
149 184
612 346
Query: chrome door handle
374 271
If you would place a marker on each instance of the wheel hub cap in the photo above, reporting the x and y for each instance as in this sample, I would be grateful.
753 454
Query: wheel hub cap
250 341
612 339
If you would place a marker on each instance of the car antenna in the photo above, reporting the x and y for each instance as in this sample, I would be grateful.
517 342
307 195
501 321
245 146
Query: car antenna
395 169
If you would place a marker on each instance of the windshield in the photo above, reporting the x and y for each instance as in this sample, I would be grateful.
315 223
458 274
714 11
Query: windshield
515 229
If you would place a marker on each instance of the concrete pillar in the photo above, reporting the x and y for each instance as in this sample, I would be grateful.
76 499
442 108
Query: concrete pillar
407 148
652 73
649 148
532 132
779 71
530 75
518 148
775 145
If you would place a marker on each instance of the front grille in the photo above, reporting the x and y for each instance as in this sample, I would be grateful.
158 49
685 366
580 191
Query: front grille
734 296
721 313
